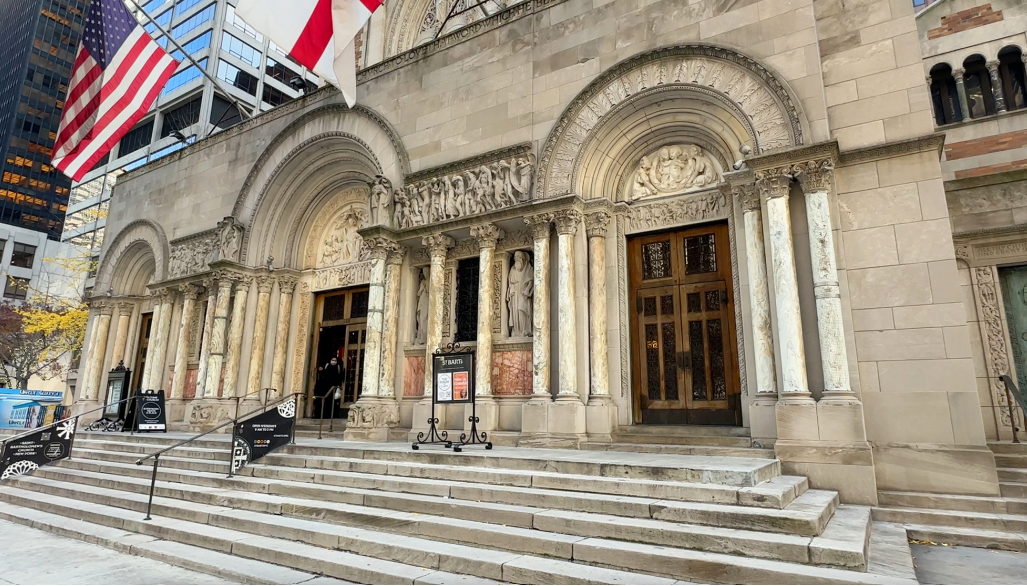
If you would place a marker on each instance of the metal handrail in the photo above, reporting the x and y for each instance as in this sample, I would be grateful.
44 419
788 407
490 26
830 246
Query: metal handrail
5 441
239 399
335 395
1013 392
156 455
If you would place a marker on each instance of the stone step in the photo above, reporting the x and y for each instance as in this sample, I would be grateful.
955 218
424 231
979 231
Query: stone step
220 453
159 440
166 461
230 567
1017 490
205 528
686 430
684 450
1011 460
559 523
682 440
889 552
1008 447
924 500
976 520
1012 475
968 536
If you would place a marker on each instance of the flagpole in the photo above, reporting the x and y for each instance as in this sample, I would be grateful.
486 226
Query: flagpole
248 113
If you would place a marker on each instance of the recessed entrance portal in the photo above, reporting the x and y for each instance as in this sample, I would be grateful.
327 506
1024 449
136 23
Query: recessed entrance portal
342 334
683 331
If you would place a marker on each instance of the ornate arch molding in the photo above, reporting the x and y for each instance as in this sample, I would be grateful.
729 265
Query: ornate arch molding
145 231
249 198
763 103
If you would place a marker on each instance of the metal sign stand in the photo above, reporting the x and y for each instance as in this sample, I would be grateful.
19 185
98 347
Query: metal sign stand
458 387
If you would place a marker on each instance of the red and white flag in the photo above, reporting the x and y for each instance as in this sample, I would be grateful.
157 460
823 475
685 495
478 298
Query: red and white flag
318 34
118 73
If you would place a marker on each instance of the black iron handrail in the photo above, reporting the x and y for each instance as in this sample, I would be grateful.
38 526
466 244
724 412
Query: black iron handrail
1014 393
5 441
335 393
156 455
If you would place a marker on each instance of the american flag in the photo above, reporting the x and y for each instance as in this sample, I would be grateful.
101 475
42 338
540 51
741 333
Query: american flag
118 74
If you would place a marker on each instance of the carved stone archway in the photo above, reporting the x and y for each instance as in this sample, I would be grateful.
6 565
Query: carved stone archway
136 243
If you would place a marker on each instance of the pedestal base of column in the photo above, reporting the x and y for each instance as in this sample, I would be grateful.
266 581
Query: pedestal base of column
535 416
567 418
487 410
841 422
422 412
176 411
796 418
763 419
371 419
600 418
846 467
84 405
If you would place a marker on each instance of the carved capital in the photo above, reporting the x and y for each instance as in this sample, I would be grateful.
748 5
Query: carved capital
438 246
106 309
958 74
814 176
993 66
125 308
265 283
774 183
541 225
379 248
597 223
487 235
166 295
396 255
567 221
190 291
225 283
287 284
210 286
748 196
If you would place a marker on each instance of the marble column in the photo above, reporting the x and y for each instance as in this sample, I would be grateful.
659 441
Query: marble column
393 274
997 88
208 326
957 74
217 336
487 236
235 331
815 178
121 337
189 293
535 412
438 248
98 352
286 287
159 351
601 412
148 365
265 283
567 222
379 251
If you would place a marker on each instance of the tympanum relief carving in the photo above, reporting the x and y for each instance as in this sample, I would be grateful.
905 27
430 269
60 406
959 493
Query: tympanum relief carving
672 170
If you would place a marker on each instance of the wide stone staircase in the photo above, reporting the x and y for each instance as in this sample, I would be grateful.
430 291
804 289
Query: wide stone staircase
332 511
976 521
695 440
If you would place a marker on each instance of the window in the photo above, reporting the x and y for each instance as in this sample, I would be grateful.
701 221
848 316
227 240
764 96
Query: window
237 77
240 49
466 300
2 244
223 113
16 288
205 15
944 96
183 77
233 19
279 71
184 5
22 255
274 97
180 118
194 46
136 138
979 99
1012 71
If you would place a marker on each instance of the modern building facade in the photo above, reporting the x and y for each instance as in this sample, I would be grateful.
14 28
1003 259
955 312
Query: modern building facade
189 108
636 214
40 41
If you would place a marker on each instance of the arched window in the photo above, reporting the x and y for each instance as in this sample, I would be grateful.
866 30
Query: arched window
979 99
944 95
1013 83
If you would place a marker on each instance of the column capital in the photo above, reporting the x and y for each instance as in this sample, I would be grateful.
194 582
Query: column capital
774 183
166 295
438 245
106 309
814 175
125 308
379 247
993 65
265 283
190 291
748 196
567 221
539 224
210 285
287 284
225 282
597 223
487 235
958 74
396 255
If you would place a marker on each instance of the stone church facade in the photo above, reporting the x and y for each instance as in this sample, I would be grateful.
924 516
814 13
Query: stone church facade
725 212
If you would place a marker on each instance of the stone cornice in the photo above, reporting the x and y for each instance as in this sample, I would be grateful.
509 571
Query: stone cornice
790 156
922 144
986 232
523 148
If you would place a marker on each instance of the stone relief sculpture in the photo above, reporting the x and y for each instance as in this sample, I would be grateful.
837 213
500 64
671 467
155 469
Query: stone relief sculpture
487 186
671 170
193 256
664 213
230 239
381 201
421 313
520 294
342 244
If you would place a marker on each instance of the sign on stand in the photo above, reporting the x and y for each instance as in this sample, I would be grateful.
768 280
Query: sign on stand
43 447
148 413
262 434
452 383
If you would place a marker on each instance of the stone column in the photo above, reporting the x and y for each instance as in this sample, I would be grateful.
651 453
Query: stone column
121 338
996 86
957 74
98 352
488 408
535 413
189 293
567 414
438 248
265 283
208 326
217 336
379 250
393 274
601 412
286 287
144 381
159 351
235 332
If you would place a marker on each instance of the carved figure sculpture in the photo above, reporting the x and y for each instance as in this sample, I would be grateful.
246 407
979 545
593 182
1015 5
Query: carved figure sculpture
421 326
520 294
381 200
673 169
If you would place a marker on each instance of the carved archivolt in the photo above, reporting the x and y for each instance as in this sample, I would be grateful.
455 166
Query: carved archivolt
994 336
143 231
759 99
414 22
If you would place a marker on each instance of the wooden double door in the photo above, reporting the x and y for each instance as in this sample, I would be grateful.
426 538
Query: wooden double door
683 331
341 334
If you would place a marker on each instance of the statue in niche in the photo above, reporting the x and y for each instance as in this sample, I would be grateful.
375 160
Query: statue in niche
673 169
381 200
520 294
521 176
229 238
421 314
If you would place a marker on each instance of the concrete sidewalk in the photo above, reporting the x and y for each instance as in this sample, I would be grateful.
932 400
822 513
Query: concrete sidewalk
937 564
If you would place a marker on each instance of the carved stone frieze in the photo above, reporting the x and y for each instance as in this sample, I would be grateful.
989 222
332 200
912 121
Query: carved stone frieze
209 414
671 170
344 276
372 415
662 214
192 255
342 244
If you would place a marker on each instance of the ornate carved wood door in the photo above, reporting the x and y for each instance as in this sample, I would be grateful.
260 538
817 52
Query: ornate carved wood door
683 335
